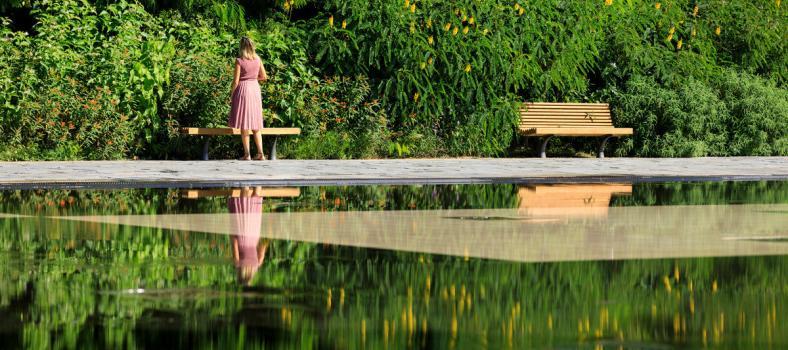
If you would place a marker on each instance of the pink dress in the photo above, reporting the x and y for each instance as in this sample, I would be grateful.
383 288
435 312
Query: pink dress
246 111
246 223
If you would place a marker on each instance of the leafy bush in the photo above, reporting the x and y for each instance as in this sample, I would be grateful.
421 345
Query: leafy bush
340 120
738 114
686 122
758 122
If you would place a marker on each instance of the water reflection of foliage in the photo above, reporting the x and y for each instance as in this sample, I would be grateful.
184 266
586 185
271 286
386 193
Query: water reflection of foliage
59 281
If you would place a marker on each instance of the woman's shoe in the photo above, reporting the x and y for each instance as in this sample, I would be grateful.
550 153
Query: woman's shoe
259 156
245 158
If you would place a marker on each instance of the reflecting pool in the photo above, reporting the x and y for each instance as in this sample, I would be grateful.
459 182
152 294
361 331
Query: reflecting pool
646 266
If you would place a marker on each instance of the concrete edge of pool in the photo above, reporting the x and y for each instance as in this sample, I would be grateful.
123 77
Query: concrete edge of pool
227 173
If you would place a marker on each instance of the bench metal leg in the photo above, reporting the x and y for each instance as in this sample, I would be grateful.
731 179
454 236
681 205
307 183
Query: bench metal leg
273 148
601 153
205 147
543 152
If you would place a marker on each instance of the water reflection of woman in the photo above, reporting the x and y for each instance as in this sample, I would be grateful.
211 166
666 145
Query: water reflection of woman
246 221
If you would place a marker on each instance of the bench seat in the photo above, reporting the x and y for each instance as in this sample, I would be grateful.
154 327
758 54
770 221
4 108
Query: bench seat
276 132
547 119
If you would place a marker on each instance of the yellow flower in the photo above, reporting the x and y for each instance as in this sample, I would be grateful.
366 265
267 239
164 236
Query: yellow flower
429 61
672 30
447 27
412 27
455 30
777 2
467 68
485 31
331 21
344 24
416 97
608 2
521 11
718 31
413 8
465 30
669 38
678 45
666 282
430 40
516 6
429 23
657 6
471 20
693 32
407 3
695 10
423 65
464 18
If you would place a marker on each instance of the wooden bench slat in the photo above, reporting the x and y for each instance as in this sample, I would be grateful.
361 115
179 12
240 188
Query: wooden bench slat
568 118
564 126
576 110
567 115
232 131
601 123
562 104
578 131
576 118
236 192
556 108
565 120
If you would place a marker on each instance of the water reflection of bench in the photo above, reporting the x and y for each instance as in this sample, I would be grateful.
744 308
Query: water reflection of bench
569 199
236 192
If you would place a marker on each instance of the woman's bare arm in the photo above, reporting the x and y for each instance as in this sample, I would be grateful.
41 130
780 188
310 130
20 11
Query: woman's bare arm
236 77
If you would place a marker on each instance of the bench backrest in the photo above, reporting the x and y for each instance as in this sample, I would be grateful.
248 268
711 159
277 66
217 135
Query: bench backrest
563 115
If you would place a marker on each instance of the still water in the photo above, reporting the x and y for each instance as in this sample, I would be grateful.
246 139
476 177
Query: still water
589 266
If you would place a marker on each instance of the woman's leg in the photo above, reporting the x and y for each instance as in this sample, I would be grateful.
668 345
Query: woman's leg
258 141
245 143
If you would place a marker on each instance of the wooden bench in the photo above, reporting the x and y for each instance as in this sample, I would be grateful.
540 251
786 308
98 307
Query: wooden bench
540 119
236 192
207 132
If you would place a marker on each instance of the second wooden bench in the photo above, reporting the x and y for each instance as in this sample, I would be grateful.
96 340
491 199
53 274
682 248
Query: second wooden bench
540 119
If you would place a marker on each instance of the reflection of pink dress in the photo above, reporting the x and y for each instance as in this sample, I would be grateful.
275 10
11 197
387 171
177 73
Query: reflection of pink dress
246 223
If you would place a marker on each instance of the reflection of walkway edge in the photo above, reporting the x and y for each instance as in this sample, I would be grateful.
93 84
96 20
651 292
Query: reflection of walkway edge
186 183
625 233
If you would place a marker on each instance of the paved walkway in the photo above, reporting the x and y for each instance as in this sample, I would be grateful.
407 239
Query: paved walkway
228 173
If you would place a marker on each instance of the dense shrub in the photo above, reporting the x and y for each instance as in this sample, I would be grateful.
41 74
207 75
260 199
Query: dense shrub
737 114
686 122
758 122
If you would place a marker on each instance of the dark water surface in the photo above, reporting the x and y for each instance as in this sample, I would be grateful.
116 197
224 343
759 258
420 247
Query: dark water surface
594 266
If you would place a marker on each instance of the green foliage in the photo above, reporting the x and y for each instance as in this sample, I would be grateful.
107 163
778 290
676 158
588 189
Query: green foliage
687 122
758 114
447 75
737 114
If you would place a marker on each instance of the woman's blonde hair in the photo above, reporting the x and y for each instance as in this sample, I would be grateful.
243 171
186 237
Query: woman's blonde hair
246 49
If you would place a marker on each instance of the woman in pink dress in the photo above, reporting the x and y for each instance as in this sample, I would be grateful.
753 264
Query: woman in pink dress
246 112
246 221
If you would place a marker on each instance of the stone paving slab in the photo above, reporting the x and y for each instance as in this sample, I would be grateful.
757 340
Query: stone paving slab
229 173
